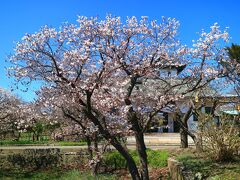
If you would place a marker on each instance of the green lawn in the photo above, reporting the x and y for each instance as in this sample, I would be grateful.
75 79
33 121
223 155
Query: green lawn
20 142
27 142
68 143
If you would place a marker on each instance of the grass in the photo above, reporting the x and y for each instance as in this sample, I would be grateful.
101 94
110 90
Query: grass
212 170
26 139
56 174
27 142
69 143
21 142
113 160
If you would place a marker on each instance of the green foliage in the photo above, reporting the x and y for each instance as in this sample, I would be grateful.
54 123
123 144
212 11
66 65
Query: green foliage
234 52
156 158
51 127
114 160
38 128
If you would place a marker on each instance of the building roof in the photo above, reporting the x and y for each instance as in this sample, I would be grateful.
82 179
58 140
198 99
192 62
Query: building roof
179 67
174 86
231 112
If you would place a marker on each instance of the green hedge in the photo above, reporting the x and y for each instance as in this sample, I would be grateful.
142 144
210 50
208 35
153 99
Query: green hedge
156 158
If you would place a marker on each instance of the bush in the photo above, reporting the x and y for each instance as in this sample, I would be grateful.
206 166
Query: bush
220 139
35 159
156 158
114 160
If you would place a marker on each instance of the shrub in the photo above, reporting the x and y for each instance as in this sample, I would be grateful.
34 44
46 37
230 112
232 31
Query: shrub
114 160
220 139
35 159
156 158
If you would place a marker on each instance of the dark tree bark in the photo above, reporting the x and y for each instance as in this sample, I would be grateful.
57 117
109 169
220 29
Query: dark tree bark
90 152
130 162
184 127
141 148
184 138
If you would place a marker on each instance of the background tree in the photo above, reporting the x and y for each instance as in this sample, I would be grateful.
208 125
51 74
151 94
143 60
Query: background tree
232 67
234 52
10 114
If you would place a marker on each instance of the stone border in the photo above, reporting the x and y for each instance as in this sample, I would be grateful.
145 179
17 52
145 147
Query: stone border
175 169
179 172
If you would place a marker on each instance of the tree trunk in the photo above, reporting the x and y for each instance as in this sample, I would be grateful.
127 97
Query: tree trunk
18 136
95 145
37 137
33 137
95 170
183 122
141 148
89 148
198 143
184 138
133 170
130 162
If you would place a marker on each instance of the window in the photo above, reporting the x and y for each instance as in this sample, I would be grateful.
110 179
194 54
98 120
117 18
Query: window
169 73
165 119
217 120
208 110
195 117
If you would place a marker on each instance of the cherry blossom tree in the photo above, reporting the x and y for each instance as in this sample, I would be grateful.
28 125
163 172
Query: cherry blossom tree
15 115
110 69
9 117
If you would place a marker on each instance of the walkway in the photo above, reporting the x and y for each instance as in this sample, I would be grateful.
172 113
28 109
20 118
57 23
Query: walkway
153 141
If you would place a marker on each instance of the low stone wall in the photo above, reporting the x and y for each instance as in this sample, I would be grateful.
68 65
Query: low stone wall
35 159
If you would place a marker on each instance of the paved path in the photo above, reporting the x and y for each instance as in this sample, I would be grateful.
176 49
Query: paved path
153 141
161 139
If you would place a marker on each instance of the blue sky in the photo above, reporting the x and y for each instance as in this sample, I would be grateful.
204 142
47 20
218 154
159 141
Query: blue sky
18 17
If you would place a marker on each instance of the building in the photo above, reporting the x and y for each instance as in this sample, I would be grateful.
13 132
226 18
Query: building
203 98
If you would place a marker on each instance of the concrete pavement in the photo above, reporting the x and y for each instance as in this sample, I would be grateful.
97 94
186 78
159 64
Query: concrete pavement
160 139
